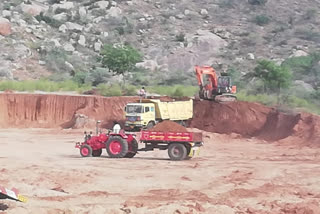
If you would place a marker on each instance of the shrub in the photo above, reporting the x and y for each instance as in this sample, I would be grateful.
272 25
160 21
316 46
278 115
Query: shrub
308 34
262 20
109 90
257 2
80 77
98 76
55 60
180 37
178 92
47 19
130 90
311 13
227 4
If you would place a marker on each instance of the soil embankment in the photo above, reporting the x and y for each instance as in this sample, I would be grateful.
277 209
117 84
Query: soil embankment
256 120
246 119
51 111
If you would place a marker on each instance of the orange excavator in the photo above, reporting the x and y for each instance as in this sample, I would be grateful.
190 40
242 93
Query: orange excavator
217 88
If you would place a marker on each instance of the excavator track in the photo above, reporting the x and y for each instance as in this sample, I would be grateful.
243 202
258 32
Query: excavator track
225 98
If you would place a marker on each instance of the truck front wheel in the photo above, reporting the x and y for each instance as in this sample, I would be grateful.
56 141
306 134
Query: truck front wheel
117 147
177 151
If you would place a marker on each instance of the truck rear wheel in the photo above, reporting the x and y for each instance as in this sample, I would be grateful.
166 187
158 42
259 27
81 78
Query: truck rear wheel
117 147
177 151
86 151
133 148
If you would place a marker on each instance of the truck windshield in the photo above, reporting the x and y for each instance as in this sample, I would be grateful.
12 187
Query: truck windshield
134 109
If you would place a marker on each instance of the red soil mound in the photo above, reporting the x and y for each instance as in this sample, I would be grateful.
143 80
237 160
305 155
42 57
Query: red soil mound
255 120
278 126
233 117
168 126
305 131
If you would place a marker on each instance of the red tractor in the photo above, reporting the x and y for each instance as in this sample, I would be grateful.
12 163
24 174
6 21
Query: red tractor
118 145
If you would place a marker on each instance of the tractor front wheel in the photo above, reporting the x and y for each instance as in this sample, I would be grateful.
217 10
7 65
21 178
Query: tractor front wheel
177 151
86 151
117 147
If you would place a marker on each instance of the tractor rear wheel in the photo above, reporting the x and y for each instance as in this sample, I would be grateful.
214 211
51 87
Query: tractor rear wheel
177 151
117 147
86 151
97 153
133 148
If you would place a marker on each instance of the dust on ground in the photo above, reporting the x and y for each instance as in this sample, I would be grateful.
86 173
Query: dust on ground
231 175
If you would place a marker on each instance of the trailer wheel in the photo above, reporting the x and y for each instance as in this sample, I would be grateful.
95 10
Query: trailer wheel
177 151
97 153
117 147
86 151
133 148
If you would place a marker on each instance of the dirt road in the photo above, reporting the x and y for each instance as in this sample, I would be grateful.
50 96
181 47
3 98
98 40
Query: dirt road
230 176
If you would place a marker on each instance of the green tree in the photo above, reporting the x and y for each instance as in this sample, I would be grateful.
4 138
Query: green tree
120 59
274 77
306 68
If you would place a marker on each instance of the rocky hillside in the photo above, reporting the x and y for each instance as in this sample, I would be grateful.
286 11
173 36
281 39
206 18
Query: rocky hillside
53 37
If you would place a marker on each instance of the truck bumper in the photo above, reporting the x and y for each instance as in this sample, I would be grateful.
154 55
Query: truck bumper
133 125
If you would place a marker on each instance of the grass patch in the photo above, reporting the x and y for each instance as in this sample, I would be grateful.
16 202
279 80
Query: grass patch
43 85
287 102
174 91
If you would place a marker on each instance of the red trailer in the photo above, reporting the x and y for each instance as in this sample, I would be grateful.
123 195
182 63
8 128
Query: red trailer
180 145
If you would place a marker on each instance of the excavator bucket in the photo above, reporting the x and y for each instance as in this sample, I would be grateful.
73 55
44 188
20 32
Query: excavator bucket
225 98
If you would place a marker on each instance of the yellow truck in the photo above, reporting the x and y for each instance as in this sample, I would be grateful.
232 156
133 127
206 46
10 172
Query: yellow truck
148 112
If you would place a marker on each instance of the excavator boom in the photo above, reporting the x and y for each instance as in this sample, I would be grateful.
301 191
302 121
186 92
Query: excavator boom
217 88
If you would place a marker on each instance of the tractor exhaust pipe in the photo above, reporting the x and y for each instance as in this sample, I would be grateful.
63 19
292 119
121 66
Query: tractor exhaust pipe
97 127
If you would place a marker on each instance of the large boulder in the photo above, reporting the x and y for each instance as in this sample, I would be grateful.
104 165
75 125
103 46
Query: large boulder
33 9
148 64
62 17
102 4
298 53
114 12
5 70
74 26
205 50
303 86
5 27
68 5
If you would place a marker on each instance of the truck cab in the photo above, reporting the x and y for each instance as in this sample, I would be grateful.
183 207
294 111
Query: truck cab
139 115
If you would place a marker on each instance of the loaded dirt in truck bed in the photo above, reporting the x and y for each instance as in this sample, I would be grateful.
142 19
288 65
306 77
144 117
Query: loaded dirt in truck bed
168 126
